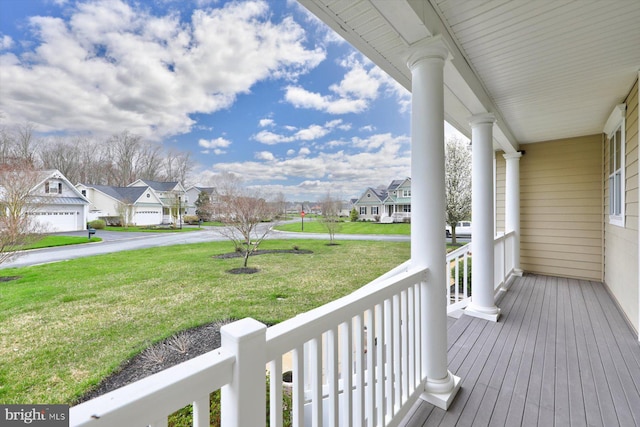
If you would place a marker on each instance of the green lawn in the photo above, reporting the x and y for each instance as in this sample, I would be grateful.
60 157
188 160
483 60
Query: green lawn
349 228
65 326
51 241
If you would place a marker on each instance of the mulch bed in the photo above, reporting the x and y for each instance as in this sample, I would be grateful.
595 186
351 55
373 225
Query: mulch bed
169 352
9 278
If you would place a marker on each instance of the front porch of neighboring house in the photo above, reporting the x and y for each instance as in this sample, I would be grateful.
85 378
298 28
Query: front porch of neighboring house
398 212
548 290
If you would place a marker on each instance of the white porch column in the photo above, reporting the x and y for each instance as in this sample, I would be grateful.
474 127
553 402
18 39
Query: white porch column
428 245
512 211
482 213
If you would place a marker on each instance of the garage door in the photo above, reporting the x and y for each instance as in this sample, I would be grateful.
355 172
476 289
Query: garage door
55 221
148 217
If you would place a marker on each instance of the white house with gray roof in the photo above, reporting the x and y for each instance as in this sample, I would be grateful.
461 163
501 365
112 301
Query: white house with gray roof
141 204
390 204
59 206
172 195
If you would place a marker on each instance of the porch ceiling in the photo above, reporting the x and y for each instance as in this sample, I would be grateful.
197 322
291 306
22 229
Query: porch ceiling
548 69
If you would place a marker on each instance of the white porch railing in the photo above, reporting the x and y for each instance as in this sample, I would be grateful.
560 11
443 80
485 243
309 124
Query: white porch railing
503 261
355 361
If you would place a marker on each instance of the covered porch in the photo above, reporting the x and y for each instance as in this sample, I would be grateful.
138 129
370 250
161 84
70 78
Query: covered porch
551 107
561 354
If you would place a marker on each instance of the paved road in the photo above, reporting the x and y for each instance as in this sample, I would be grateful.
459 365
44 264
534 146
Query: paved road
114 241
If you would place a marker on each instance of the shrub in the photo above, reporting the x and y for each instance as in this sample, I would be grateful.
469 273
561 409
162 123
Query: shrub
191 219
98 224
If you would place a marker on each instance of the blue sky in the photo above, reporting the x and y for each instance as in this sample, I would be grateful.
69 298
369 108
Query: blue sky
260 89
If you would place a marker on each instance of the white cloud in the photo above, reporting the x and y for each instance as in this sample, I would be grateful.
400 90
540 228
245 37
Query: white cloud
214 143
265 155
377 159
367 128
6 42
266 122
112 65
304 151
360 86
311 133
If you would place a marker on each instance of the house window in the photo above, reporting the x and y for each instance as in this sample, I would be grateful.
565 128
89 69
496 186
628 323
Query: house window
406 208
406 193
374 210
84 192
615 130
52 188
363 210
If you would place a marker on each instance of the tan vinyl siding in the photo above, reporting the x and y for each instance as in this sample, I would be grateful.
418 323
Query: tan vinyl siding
501 171
621 244
561 209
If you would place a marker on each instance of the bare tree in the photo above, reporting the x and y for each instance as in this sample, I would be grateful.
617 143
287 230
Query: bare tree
126 211
242 212
331 215
457 182
18 225
280 203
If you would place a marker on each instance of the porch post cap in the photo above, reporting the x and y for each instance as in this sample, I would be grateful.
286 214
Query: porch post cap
483 118
515 155
430 48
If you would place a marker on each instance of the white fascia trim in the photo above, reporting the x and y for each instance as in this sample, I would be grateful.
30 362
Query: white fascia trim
615 118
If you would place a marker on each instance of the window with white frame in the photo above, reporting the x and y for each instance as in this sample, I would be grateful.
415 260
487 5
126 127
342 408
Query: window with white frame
615 131
406 193
363 210
374 210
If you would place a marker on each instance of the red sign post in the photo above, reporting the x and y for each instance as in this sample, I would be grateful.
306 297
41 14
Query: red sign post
302 218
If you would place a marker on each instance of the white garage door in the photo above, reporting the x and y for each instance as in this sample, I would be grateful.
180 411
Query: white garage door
59 220
148 217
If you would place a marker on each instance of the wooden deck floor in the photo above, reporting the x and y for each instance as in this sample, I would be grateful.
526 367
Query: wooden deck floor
561 354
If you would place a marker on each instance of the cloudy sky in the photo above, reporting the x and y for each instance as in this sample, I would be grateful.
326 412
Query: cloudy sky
258 88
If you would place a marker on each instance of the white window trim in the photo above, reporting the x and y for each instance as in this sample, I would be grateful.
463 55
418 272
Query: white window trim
616 121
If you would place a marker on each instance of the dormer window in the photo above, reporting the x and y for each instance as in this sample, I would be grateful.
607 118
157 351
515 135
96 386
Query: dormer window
406 193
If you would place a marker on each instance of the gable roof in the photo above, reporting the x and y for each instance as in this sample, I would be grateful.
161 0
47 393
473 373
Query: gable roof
157 185
122 194
45 175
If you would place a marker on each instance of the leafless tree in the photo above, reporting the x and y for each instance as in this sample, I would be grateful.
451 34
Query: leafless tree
280 202
126 211
242 211
458 183
177 166
330 218
18 225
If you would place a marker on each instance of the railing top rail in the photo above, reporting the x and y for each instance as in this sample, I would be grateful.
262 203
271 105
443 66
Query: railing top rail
158 395
459 252
287 335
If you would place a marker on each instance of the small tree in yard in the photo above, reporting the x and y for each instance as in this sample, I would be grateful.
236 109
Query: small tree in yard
330 218
242 212
126 212
353 215
457 183
204 207
18 224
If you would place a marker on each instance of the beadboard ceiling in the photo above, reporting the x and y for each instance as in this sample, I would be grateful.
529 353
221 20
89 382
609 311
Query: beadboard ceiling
548 69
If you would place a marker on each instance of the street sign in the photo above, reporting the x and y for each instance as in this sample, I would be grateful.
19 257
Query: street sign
302 214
